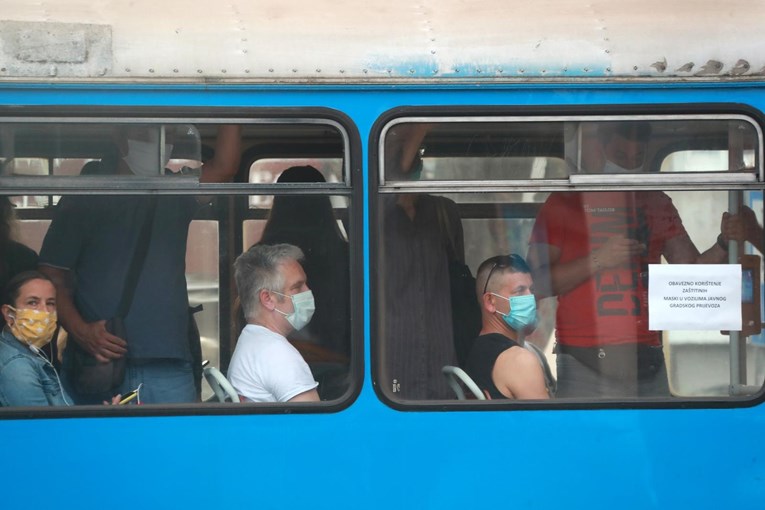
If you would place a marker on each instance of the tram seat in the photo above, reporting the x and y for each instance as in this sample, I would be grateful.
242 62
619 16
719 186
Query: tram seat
456 377
221 387
550 381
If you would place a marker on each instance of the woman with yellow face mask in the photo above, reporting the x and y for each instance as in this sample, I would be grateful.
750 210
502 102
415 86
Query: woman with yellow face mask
27 377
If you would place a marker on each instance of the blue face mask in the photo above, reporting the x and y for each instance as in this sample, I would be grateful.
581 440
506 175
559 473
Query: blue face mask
523 312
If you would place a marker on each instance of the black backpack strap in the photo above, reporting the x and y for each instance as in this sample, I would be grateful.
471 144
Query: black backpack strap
139 255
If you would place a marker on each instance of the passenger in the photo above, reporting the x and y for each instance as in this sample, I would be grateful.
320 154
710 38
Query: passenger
87 253
15 257
421 233
27 377
592 250
276 301
498 362
309 223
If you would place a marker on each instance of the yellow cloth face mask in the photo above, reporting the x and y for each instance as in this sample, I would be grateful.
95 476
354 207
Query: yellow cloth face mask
33 327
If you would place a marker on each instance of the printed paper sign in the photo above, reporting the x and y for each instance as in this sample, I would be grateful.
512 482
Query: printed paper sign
694 297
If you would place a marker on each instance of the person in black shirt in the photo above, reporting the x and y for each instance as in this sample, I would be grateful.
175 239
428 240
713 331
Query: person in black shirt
497 362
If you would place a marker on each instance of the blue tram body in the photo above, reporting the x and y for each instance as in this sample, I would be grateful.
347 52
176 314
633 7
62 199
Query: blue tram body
367 453
367 447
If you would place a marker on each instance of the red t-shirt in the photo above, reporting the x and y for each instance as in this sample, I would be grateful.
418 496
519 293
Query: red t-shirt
611 307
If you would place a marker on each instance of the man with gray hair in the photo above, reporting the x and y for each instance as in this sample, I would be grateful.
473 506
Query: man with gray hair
275 300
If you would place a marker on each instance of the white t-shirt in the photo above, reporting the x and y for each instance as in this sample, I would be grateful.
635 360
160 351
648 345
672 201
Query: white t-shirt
265 367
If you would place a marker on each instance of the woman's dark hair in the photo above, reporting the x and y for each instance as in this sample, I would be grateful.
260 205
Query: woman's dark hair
309 222
13 289
290 213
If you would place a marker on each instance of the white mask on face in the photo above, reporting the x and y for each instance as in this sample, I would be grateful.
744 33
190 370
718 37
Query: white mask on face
303 306
612 168
143 157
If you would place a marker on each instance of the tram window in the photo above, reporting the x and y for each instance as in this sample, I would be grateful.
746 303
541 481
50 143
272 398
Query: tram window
194 260
703 161
497 150
591 252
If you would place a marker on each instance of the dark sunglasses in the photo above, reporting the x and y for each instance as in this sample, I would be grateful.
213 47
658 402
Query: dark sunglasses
502 262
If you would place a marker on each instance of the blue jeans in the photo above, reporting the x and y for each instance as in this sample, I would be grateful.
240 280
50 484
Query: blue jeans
162 381
576 380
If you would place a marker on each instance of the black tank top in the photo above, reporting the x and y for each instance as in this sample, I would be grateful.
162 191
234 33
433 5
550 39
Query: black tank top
484 353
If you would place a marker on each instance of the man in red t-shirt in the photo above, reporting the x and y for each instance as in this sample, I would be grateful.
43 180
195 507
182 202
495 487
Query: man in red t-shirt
593 249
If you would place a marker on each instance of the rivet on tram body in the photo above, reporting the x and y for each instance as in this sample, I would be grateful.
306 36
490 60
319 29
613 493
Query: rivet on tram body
175 70
151 70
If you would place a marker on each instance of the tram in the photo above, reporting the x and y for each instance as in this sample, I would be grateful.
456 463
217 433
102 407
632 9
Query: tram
501 105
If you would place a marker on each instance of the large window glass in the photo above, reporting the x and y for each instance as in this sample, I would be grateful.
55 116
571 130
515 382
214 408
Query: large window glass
573 259
135 227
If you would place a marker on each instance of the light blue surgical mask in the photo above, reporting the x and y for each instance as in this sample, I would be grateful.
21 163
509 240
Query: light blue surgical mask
523 312
303 306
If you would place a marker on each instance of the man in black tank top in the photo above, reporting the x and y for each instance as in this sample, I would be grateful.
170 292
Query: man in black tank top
497 362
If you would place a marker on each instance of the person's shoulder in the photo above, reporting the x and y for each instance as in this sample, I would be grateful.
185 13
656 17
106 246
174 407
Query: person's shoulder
21 255
264 340
254 334
653 198
439 201
518 357
487 344
14 363
496 338
563 198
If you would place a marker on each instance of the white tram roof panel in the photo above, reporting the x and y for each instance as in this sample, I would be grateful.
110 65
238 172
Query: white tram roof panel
382 40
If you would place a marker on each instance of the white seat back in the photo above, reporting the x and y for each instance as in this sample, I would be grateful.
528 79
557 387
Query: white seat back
455 376
220 385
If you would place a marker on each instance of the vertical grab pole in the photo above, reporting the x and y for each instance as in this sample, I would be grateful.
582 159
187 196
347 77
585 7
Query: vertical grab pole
737 340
